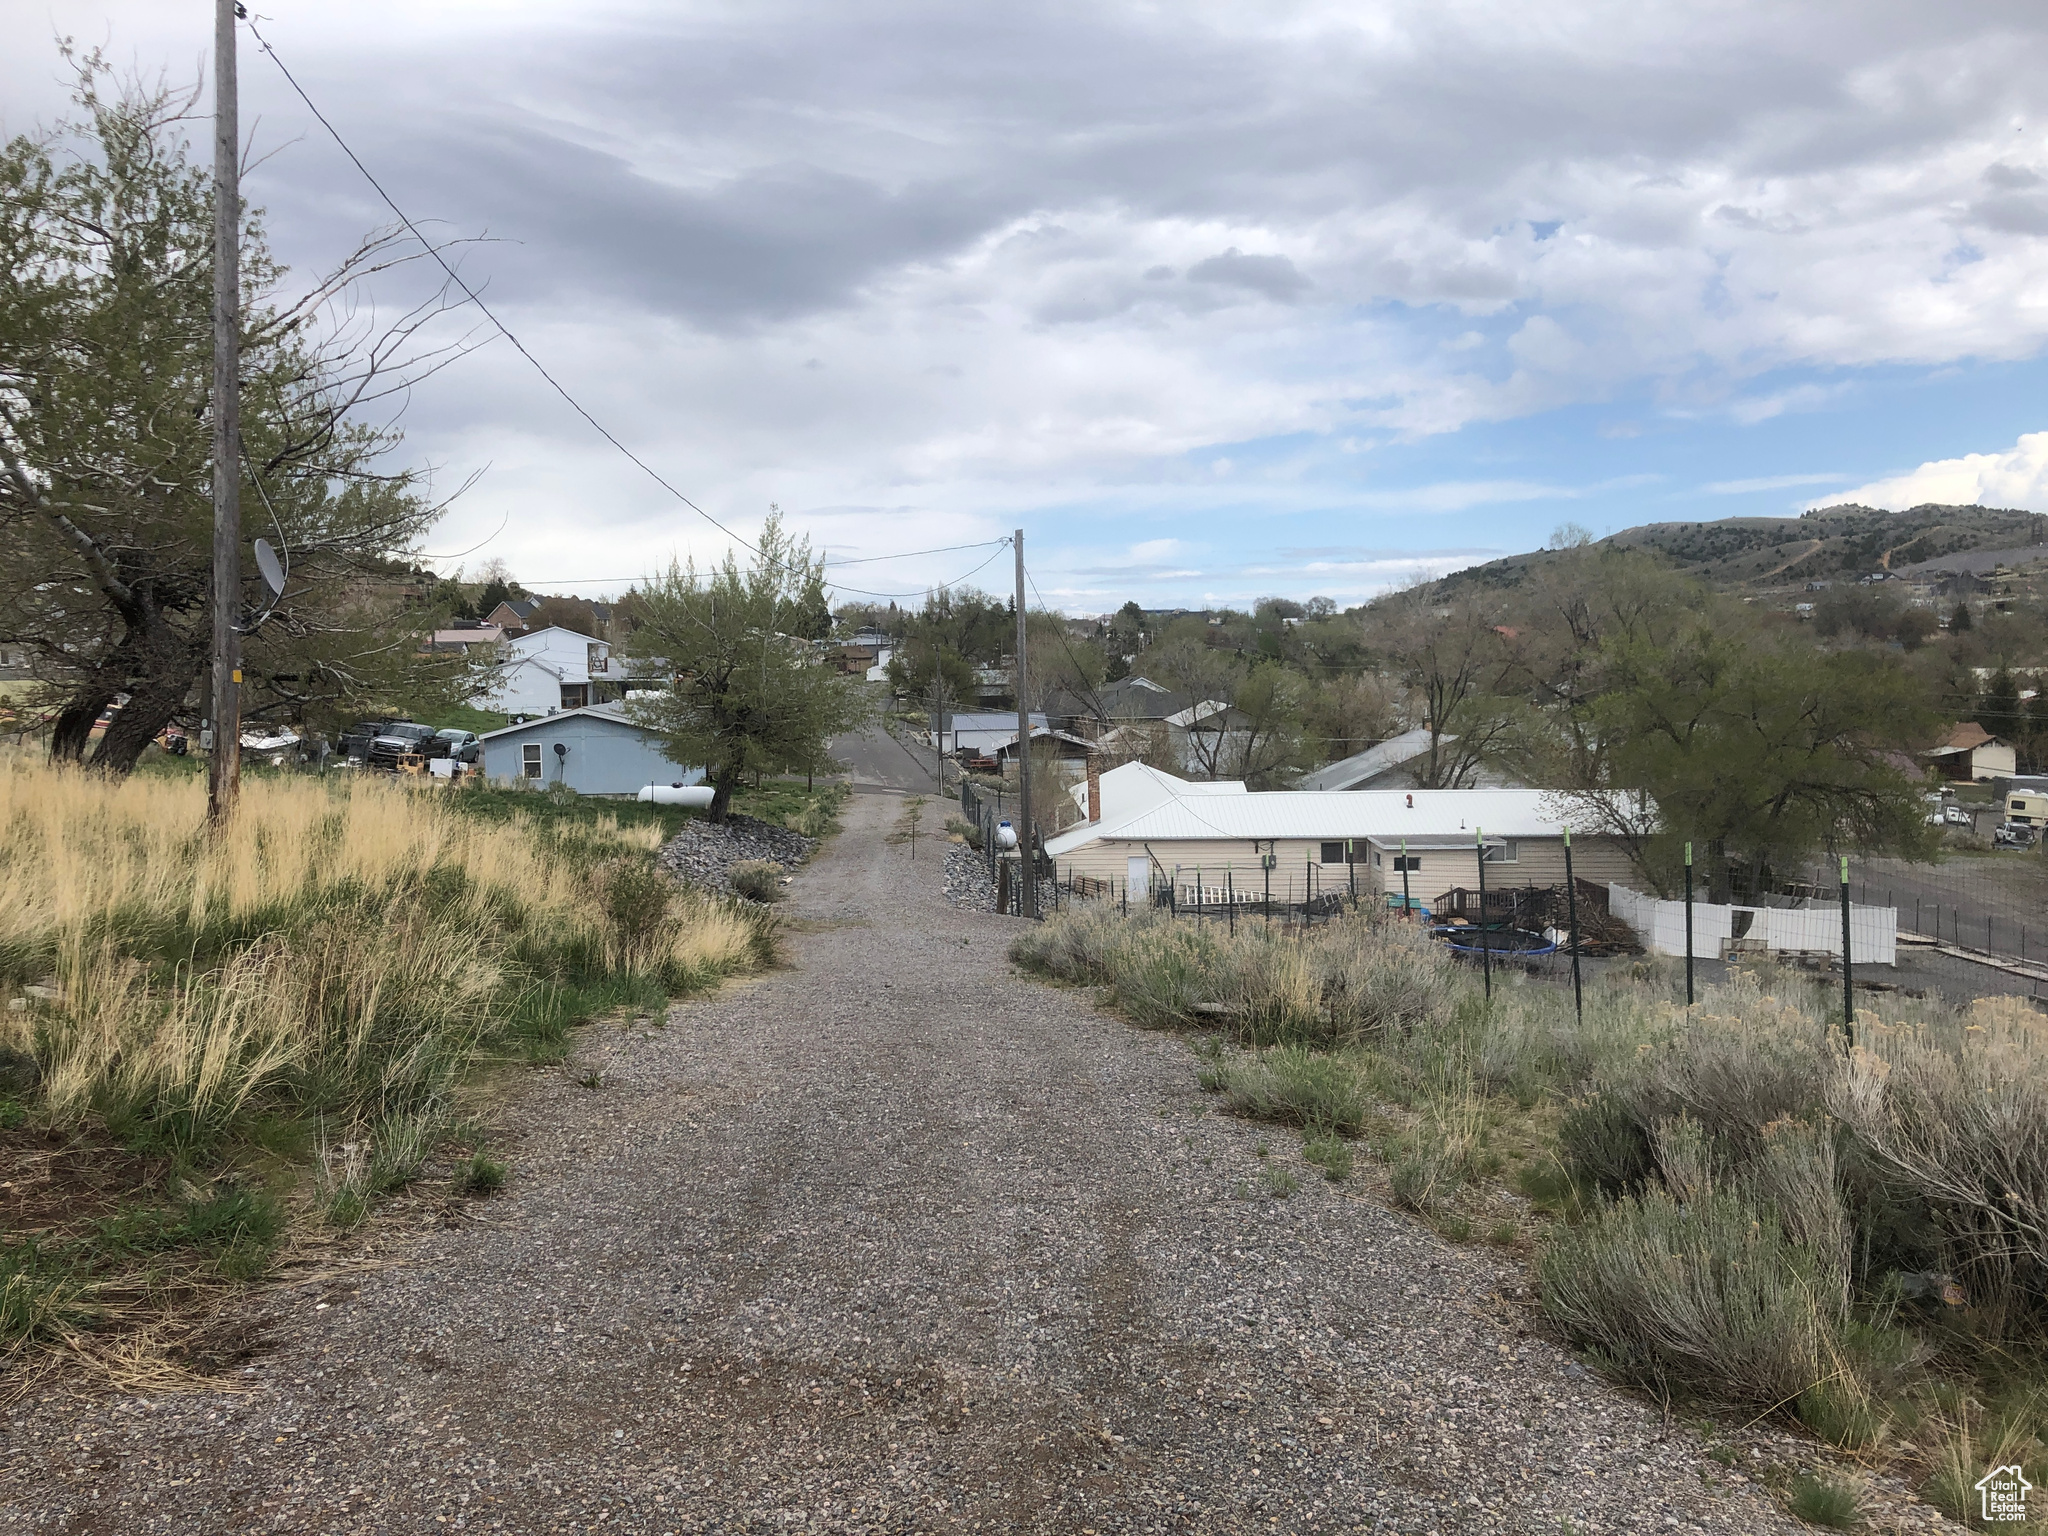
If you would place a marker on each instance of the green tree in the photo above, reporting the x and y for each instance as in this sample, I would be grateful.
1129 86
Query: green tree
105 445
1760 757
750 694
1999 709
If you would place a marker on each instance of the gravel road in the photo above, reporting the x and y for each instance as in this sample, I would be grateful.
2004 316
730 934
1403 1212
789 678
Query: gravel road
892 1240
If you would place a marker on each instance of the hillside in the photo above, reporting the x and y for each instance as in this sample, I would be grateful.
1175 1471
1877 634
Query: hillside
1829 542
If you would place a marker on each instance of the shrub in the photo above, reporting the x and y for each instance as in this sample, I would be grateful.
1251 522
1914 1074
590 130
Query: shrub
1823 1501
1956 1114
1295 1086
757 880
1696 1297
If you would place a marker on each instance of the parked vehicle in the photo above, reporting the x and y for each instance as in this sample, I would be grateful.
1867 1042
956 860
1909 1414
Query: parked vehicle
464 746
2015 835
354 744
2028 808
407 739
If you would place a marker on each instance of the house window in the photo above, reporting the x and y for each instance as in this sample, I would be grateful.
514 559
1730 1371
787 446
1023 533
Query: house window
1333 853
1412 863
529 760
1502 853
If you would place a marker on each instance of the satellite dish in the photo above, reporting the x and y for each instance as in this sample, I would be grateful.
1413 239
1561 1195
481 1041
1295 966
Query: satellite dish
267 565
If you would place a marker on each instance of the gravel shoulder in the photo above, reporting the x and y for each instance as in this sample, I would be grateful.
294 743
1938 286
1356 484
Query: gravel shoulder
891 1240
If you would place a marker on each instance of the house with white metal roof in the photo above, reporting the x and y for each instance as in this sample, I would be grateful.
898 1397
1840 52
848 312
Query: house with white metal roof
1153 828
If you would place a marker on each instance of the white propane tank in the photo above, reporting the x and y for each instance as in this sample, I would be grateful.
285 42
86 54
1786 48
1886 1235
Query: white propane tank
1006 835
696 796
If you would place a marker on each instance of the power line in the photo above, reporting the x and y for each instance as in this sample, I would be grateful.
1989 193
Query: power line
908 554
520 347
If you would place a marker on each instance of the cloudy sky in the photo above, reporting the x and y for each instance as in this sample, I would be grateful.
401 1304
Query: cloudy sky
1213 300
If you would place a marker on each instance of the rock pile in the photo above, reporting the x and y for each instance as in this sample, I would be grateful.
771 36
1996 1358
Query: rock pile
969 883
704 853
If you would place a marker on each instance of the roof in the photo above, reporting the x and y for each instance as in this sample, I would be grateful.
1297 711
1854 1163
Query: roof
1449 815
1966 737
1371 763
560 629
613 712
1040 733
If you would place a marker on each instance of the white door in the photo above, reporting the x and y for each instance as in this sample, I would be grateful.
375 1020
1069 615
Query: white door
1138 874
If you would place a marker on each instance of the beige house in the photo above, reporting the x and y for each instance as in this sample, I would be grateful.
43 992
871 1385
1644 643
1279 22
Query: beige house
1973 755
1211 841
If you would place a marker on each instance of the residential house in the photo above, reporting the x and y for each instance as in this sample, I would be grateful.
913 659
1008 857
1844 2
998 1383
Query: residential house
595 750
556 668
513 613
977 733
1154 829
471 635
1972 754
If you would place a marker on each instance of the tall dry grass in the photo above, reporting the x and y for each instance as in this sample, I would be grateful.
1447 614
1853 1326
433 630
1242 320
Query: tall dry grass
343 949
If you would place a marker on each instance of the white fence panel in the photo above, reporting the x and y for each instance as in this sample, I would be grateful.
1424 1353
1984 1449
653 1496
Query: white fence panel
1873 931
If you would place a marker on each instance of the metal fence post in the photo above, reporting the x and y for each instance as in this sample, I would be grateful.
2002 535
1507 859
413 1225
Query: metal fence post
1407 904
1571 903
1848 982
1485 941
1688 925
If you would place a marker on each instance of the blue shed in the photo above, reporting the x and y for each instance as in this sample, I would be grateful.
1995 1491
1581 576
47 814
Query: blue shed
595 751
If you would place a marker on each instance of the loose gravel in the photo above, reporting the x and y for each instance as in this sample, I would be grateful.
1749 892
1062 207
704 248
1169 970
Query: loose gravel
892 1240
703 853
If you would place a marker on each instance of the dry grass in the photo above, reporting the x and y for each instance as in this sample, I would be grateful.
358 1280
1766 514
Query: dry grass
322 976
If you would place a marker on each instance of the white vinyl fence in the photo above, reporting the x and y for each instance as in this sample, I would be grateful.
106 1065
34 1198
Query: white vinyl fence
1873 931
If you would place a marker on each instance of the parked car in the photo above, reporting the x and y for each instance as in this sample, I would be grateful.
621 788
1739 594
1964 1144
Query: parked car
2014 835
403 740
465 747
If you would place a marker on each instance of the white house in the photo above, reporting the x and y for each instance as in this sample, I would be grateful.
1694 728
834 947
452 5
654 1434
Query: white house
1152 828
555 668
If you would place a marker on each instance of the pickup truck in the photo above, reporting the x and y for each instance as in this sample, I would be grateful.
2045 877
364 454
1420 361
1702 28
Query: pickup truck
402 740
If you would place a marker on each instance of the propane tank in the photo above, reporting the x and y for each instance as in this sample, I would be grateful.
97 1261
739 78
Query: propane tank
696 796
1006 835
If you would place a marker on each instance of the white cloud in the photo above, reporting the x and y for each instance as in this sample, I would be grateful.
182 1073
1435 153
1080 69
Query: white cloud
2017 477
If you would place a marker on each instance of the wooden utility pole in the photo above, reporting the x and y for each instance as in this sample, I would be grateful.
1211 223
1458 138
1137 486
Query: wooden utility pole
224 763
1027 904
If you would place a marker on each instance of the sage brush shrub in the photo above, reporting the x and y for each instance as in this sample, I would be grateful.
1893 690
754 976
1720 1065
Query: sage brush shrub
1955 1114
1697 1297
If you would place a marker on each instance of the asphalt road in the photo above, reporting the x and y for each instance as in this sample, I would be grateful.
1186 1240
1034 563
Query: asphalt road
878 759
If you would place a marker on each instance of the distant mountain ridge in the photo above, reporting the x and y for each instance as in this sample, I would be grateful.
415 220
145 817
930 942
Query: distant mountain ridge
1824 544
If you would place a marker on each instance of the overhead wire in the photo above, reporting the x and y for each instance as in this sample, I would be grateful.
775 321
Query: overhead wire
520 347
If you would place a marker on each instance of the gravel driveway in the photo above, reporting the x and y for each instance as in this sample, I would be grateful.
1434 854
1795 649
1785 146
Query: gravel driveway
891 1240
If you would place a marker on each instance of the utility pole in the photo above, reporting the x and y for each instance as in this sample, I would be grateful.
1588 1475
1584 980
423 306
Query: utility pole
1027 896
224 763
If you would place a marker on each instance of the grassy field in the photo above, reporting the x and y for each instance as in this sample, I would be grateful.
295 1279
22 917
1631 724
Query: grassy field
1724 1206
212 1044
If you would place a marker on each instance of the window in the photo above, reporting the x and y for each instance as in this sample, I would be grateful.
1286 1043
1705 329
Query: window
1412 863
530 759
1333 853
1502 853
